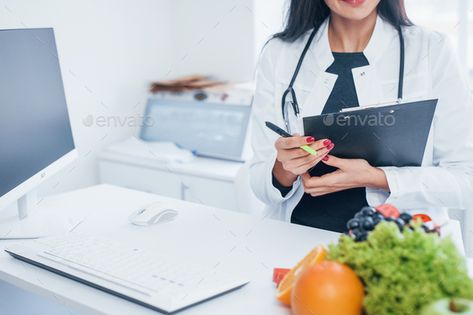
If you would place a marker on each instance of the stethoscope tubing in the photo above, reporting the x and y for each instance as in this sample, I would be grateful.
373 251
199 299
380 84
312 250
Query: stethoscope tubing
290 88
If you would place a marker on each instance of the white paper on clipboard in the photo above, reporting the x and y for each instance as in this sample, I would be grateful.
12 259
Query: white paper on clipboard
385 104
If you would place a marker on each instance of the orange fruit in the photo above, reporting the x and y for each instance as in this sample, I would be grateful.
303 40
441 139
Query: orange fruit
285 286
327 288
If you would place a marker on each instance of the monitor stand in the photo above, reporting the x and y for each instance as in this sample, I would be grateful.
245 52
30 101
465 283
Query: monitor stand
26 223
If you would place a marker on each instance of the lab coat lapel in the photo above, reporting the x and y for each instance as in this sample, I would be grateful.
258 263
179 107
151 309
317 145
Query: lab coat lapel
367 85
319 94
367 82
319 58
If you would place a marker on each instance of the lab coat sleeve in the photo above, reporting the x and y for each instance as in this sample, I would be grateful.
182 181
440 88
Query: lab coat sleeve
449 181
265 109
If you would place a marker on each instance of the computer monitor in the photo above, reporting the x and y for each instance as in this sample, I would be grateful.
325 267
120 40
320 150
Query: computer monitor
35 132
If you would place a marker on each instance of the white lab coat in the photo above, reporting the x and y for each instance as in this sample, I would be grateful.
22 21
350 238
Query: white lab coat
432 70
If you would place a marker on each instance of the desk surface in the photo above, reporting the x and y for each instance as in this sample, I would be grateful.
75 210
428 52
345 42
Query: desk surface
229 239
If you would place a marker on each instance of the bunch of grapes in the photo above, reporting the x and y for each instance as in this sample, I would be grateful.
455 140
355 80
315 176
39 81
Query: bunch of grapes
368 218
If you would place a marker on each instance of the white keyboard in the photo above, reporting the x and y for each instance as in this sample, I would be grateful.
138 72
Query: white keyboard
141 276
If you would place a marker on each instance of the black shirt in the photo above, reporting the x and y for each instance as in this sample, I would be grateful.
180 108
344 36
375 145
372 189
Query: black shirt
332 211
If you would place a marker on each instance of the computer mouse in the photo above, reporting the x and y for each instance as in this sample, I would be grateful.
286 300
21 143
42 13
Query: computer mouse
152 214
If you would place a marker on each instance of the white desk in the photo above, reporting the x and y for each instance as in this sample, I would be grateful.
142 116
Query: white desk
232 239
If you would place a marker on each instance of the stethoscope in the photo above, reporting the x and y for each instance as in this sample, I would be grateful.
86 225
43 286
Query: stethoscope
290 89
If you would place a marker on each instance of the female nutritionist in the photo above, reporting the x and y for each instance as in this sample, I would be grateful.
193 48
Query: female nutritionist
354 50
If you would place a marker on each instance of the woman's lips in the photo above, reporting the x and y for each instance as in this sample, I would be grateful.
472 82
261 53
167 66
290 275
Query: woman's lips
354 2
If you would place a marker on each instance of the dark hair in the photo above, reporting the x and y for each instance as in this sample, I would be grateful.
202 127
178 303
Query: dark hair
304 15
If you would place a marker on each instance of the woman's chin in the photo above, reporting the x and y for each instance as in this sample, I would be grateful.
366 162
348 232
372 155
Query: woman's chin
355 14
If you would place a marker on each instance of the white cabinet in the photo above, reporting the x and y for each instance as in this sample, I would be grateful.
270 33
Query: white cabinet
207 191
140 178
212 182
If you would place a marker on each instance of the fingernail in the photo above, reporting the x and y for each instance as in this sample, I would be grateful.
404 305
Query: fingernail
310 139
327 143
325 158
331 146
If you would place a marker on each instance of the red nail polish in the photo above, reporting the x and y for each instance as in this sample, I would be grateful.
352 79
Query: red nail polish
325 158
331 146
327 143
310 139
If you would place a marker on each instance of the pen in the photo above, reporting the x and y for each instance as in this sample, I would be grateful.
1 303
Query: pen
285 134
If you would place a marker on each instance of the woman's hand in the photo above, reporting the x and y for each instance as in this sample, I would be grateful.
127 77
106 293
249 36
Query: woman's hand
351 173
292 161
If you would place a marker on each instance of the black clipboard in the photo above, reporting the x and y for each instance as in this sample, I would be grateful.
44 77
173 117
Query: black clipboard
392 135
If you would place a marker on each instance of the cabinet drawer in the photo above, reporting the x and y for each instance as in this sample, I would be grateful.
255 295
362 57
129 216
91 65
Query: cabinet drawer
138 178
215 193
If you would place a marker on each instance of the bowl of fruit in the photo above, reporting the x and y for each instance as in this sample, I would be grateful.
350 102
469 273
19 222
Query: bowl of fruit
387 263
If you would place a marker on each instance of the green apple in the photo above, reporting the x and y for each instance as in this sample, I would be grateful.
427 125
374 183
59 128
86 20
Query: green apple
449 307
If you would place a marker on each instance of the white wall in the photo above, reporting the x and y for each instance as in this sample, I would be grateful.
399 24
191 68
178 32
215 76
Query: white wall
109 51
222 38
213 37
269 17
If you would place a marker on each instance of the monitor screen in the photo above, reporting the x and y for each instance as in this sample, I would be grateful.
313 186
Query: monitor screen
207 129
34 123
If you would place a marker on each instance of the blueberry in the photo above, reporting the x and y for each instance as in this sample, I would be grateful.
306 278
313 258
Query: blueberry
378 217
400 223
426 228
357 232
353 224
406 217
389 219
368 223
359 215
362 237
368 211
